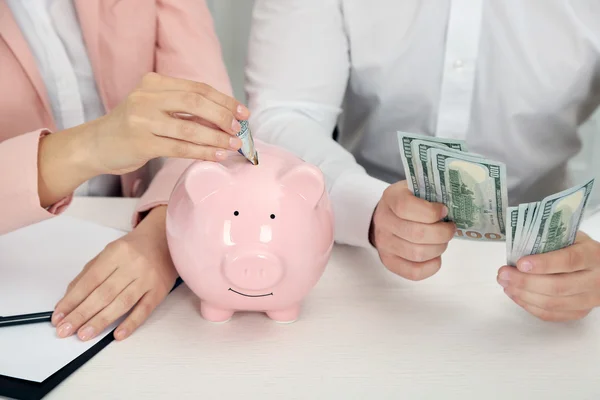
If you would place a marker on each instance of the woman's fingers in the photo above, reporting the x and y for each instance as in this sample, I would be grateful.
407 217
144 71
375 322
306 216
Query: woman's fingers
156 82
177 102
118 307
97 300
192 132
175 148
97 271
139 314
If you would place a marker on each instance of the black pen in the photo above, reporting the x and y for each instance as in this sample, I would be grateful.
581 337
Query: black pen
26 319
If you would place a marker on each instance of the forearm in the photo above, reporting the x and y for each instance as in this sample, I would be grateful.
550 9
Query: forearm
64 163
305 39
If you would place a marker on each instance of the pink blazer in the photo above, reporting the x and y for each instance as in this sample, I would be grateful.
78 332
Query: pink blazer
125 39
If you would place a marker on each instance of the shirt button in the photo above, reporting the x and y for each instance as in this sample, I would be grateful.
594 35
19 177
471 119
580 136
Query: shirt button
458 64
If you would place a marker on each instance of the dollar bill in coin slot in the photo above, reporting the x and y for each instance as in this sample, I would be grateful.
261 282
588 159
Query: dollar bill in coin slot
247 150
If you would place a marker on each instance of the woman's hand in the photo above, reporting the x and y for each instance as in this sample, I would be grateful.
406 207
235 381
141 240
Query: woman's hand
143 126
133 273
163 117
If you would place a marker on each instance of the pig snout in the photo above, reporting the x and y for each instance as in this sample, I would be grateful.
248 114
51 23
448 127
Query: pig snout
254 271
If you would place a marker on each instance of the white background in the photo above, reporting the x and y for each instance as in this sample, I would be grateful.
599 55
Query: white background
232 21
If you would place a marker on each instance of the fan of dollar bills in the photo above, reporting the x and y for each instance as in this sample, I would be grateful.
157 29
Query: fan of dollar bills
474 190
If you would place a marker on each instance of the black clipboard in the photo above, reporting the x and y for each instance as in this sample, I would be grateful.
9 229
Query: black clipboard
22 389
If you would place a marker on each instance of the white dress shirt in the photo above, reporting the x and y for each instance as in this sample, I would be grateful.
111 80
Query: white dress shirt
513 78
54 36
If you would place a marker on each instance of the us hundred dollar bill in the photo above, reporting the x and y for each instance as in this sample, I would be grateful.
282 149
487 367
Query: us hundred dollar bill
247 150
558 219
474 190
416 165
547 225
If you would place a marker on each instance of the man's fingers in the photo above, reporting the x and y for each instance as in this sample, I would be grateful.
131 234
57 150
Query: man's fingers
408 207
550 285
154 81
577 302
415 232
140 313
413 271
410 251
117 308
553 316
581 255
99 298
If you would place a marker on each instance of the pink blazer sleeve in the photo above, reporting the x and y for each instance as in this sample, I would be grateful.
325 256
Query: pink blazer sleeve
19 199
187 48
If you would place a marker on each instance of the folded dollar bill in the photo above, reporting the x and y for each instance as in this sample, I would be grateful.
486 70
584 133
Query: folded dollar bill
471 186
547 225
247 150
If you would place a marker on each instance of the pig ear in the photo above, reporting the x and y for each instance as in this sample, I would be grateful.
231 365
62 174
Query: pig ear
307 180
204 178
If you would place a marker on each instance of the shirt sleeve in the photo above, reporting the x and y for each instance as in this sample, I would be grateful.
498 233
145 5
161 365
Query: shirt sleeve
188 48
297 72
19 199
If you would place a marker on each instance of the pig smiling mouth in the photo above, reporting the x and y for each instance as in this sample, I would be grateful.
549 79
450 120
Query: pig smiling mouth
251 295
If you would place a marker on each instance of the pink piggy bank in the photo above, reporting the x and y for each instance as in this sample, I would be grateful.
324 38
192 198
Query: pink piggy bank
251 238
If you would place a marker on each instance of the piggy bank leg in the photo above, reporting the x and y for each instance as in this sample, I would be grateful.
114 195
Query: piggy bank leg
287 315
214 314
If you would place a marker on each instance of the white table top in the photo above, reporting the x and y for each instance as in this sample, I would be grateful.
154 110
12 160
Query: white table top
363 332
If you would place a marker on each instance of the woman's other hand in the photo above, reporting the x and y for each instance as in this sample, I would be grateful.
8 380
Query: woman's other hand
134 273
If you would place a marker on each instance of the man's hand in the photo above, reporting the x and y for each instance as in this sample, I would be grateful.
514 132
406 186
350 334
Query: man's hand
408 234
133 273
561 285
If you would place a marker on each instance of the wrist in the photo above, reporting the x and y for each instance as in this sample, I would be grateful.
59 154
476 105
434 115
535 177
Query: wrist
64 163
372 228
154 223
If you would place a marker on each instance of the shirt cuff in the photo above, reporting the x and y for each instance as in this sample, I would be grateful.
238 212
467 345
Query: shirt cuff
354 197
19 182
160 189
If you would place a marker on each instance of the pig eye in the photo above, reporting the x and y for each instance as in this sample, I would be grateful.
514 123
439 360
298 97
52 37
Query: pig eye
236 213
272 216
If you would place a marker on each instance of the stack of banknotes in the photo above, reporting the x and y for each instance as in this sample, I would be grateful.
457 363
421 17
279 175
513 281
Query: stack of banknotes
547 225
474 189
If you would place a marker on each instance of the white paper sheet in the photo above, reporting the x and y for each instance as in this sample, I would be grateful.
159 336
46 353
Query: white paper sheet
36 265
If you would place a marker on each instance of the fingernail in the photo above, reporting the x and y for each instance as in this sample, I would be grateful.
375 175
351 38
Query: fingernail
525 266
221 155
444 211
86 333
64 330
503 283
235 126
509 294
504 276
234 143
120 333
241 110
56 318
